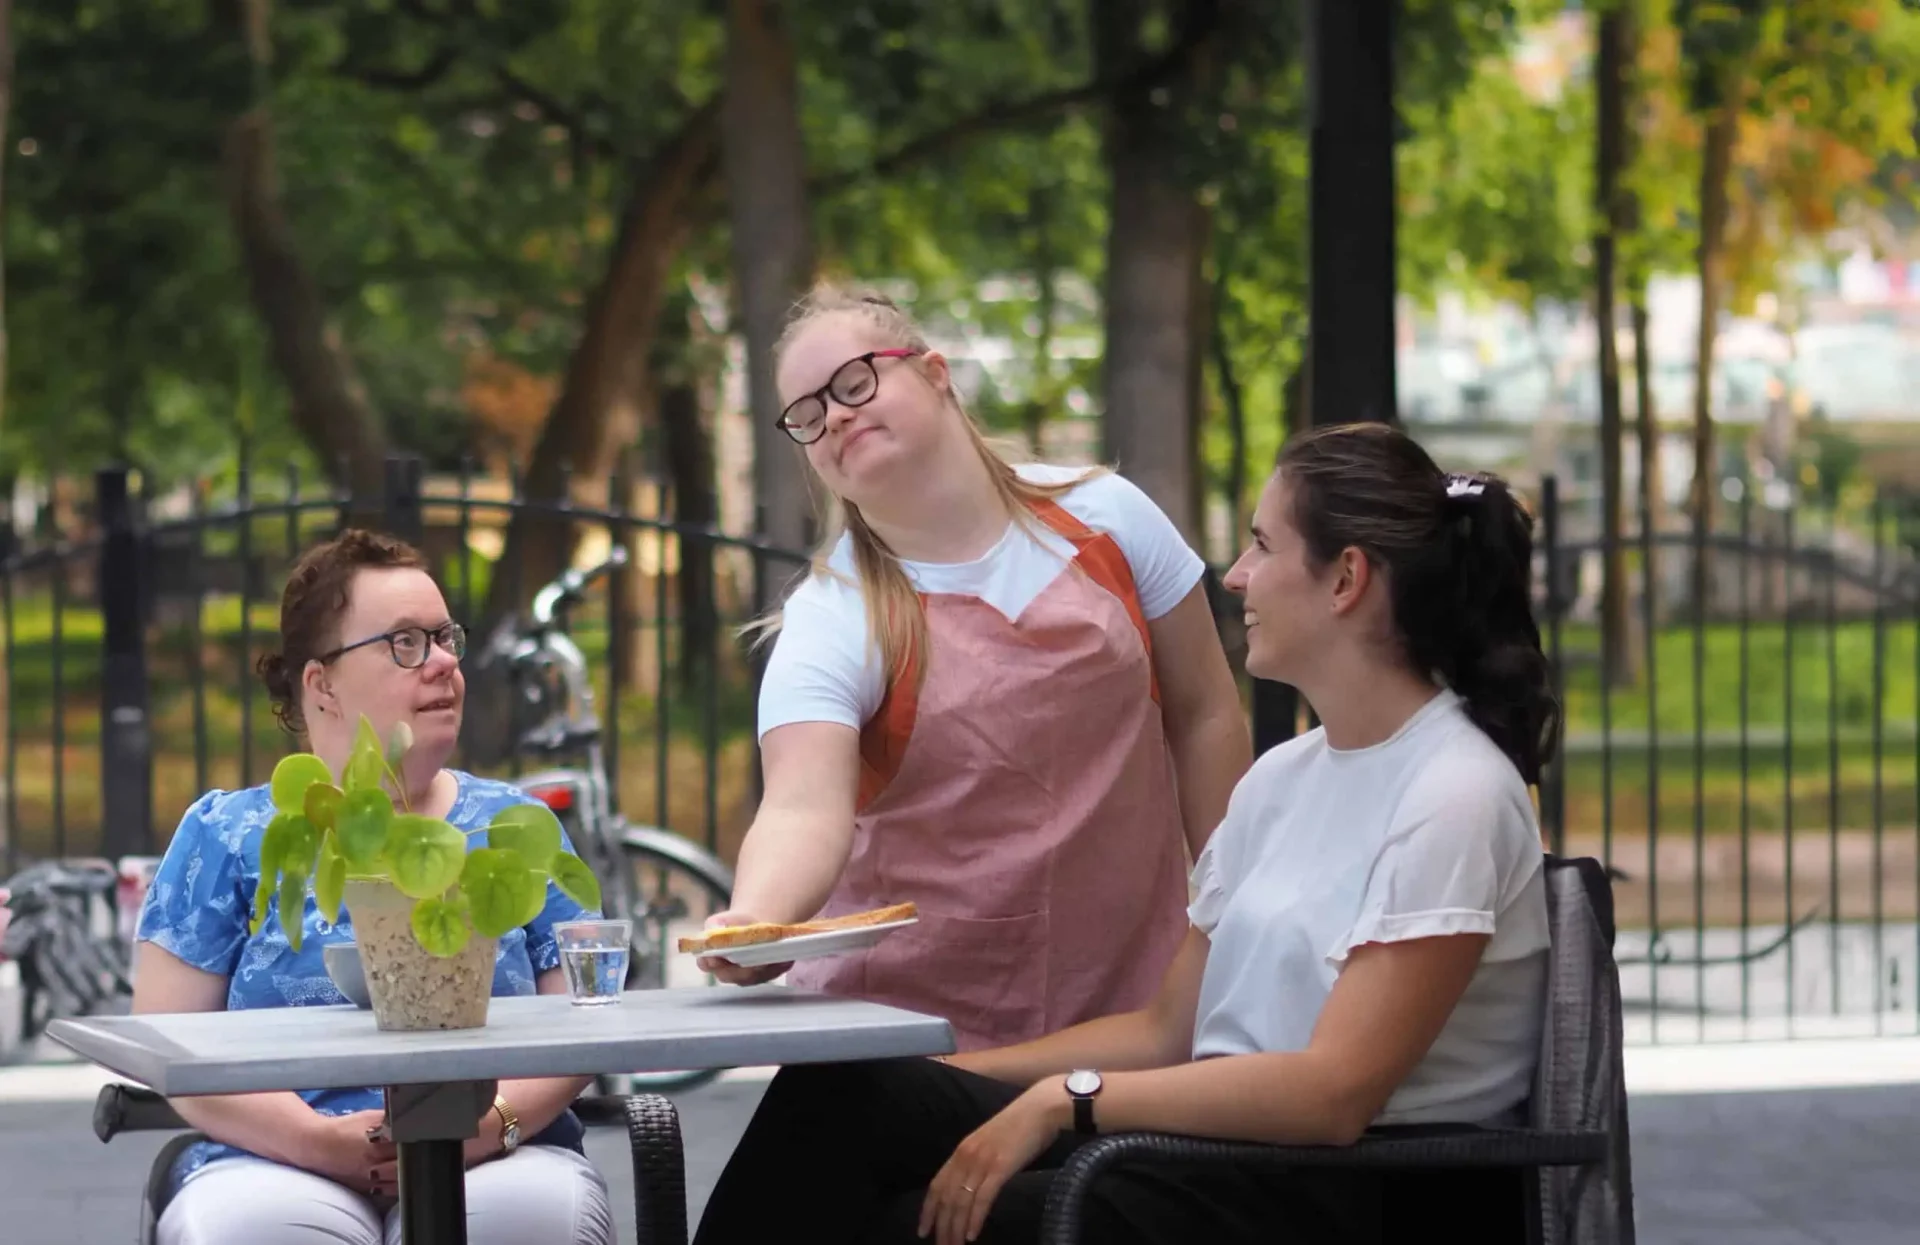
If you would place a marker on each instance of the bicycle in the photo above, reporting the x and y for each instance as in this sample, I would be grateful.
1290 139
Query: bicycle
67 927
664 883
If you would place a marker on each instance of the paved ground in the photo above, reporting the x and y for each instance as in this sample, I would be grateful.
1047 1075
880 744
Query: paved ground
1830 1161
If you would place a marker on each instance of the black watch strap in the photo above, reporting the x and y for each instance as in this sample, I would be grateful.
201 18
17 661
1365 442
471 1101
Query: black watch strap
1083 1085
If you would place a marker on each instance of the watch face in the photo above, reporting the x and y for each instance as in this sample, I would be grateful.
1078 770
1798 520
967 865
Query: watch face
511 1136
1083 1081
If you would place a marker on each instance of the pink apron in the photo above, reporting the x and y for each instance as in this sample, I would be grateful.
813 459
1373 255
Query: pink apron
1022 797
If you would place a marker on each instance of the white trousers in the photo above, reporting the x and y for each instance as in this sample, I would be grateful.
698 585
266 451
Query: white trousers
542 1194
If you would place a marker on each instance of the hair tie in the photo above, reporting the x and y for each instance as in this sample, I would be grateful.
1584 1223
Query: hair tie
1465 486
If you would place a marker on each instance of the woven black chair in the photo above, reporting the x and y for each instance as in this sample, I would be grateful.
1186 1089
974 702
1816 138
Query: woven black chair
1576 1131
653 1132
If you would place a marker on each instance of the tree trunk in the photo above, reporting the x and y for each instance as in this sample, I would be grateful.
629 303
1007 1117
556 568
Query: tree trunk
685 374
607 364
1647 427
6 105
1235 404
329 405
1650 496
1155 238
1716 169
1046 263
7 841
1201 325
1296 396
1615 54
766 168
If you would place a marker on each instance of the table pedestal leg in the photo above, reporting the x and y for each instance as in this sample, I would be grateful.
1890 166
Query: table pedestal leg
428 1123
433 1193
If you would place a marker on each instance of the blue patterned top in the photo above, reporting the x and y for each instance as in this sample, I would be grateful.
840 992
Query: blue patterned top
201 901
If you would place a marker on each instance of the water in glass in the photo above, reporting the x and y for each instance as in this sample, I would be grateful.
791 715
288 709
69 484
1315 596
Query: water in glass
594 955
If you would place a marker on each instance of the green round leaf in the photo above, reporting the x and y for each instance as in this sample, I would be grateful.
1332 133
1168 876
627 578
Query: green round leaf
499 887
293 907
424 854
530 829
262 896
440 927
322 805
289 845
366 764
362 823
293 776
364 771
575 879
536 897
399 739
330 880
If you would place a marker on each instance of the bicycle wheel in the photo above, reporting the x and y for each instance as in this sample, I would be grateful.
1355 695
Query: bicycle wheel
673 886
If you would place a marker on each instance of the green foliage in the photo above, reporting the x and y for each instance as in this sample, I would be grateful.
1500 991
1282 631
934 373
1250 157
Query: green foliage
326 836
1497 191
1834 459
126 314
450 174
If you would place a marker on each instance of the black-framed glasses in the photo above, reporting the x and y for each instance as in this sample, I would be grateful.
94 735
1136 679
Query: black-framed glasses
853 383
411 645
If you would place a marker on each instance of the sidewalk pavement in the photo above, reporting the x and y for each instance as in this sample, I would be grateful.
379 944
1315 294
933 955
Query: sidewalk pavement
1788 1143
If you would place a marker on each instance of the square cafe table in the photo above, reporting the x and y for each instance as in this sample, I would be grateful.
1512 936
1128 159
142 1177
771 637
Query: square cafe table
439 1083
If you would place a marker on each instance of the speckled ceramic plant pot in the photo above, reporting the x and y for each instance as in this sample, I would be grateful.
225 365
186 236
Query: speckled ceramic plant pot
411 989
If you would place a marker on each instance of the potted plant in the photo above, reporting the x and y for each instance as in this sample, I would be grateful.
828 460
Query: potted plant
428 914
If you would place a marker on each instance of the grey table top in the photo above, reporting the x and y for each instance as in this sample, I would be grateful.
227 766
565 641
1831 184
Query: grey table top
276 1048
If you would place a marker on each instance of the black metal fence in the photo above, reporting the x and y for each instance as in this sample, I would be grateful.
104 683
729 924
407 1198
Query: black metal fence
1741 747
131 623
1747 759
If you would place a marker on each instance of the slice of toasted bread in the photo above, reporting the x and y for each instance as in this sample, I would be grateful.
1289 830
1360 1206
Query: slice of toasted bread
725 936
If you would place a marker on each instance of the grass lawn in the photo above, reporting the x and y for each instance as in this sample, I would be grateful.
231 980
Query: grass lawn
1831 677
1817 683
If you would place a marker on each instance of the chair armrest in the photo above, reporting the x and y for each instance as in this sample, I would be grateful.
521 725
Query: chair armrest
122 1108
601 1110
1479 1147
659 1171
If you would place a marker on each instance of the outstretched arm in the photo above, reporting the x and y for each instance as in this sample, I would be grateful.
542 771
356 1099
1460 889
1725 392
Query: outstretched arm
800 839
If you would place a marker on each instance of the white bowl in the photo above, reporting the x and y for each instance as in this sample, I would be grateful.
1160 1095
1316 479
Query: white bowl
348 975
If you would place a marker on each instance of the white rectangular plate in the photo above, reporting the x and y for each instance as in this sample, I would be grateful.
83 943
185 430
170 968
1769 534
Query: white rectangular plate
809 946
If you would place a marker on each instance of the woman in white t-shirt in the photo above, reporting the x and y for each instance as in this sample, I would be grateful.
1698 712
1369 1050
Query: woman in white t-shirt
1368 939
1000 696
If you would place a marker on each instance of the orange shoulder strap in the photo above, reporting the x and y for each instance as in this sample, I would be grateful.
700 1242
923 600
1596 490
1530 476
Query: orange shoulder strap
1099 555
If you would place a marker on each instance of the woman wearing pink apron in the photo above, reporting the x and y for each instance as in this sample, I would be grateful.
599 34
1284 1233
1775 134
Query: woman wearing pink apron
1000 696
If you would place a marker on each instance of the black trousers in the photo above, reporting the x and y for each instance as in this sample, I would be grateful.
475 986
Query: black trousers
844 1152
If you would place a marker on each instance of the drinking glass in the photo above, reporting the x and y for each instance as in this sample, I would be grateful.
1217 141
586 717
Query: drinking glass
594 954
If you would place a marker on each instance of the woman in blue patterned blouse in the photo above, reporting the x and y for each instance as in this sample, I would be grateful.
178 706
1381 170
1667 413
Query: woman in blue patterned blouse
363 630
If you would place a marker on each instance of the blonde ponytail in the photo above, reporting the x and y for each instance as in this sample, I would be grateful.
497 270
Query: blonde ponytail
896 619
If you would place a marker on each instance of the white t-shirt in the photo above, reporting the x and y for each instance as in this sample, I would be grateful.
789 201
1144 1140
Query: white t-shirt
825 667
1430 832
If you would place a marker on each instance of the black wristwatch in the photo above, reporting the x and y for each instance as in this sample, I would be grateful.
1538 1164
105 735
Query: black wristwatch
1083 1084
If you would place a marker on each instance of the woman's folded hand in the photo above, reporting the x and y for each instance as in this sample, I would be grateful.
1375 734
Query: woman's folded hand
353 1150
